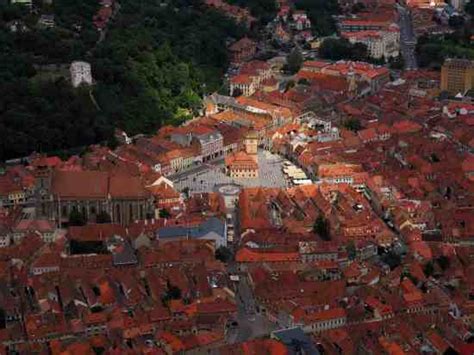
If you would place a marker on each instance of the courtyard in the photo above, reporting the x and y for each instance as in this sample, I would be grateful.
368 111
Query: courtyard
208 176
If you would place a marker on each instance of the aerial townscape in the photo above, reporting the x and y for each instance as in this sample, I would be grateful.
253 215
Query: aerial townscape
262 177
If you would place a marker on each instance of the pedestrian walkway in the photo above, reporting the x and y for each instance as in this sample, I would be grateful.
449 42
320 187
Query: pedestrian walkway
270 175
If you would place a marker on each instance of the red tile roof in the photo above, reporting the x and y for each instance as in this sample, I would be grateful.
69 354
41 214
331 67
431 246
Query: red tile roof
80 184
95 232
246 255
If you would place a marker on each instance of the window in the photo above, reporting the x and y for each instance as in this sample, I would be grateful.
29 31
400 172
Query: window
117 213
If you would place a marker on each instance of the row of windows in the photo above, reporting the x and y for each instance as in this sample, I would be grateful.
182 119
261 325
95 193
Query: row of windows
329 324
92 210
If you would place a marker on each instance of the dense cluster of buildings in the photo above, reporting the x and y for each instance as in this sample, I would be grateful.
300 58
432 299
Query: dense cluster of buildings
374 253
240 14
102 253
376 28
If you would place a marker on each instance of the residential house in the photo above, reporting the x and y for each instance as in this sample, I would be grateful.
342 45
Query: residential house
318 321
318 251
213 229
44 228
380 44
242 50
211 145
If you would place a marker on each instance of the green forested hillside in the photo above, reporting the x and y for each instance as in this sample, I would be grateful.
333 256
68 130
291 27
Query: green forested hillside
152 68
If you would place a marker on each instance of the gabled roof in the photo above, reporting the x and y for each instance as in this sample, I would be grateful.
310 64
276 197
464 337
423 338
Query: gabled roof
80 184
100 232
253 255
96 185
211 225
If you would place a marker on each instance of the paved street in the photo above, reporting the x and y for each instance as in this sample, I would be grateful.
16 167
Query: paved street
251 324
407 38
204 178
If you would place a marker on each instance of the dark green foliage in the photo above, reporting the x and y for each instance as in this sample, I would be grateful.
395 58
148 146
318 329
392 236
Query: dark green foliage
76 218
290 85
443 262
103 217
98 351
351 250
304 81
172 293
428 269
155 61
322 228
152 69
433 50
97 308
294 61
47 116
164 213
357 7
469 8
10 12
320 13
339 48
456 21
392 259
223 254
397 63
352 124
263 10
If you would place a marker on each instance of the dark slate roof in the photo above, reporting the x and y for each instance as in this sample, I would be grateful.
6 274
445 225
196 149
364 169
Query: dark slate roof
124 255
213 224
296 341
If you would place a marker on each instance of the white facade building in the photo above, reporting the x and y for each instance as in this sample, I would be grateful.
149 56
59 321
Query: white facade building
380 44
212 145
4 240
81 73
246 84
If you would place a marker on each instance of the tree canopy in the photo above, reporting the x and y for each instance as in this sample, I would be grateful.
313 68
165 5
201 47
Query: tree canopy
432 50
223 254
103 217
294 61
352 124
340 48
76 218
263 10
153 67
164 213
320 13
322 228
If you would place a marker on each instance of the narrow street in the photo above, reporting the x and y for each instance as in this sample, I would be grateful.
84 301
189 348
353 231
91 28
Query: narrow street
407 38
251 323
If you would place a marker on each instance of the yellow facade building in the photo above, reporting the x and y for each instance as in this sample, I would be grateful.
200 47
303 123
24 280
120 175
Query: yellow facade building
457 75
